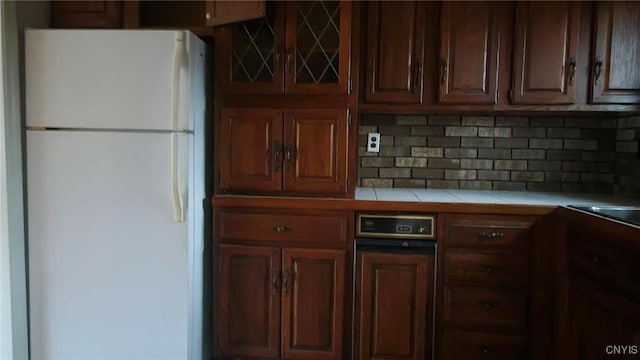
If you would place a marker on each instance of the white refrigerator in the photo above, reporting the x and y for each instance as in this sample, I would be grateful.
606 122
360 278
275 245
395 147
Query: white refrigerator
115 159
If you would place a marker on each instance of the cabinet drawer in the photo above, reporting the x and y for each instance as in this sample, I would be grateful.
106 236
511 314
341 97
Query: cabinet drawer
487 232
506 269
606 262
321 228
472 307
470 346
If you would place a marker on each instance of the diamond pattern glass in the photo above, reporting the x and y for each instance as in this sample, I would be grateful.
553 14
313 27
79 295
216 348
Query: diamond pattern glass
318 42
253 51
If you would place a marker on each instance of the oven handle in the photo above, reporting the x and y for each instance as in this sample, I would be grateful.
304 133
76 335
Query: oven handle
399 246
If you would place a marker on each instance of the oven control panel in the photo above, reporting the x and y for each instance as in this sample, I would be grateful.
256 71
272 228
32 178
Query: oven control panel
395 226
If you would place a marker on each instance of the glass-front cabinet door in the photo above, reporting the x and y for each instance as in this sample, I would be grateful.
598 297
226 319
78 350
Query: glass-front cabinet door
300 47
318 47
253 53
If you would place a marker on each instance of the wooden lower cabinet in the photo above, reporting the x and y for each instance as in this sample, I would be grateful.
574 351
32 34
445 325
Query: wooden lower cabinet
394 306
484 287
279 303
249 316
468 345
598 296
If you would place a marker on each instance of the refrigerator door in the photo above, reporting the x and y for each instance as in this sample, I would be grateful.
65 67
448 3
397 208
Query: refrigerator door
109 79
108 263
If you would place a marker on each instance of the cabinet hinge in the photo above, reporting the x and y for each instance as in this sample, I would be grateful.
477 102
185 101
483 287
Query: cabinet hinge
350 86
349 122
511 95
347 184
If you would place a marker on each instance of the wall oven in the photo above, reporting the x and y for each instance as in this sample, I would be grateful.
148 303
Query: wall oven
394 286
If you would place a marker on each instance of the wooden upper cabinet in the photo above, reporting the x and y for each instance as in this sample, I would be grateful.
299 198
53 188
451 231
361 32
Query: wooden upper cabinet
469 49
616 69
252 54
249 301
86 14
162 13
395 51
315 150
262 150
546 46
251 149
298 48
312 303
393 306
318 47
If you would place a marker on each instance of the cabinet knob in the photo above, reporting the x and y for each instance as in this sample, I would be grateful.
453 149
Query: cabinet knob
487 305
490 235
207 17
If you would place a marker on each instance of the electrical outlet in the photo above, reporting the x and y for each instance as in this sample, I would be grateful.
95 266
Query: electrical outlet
373 142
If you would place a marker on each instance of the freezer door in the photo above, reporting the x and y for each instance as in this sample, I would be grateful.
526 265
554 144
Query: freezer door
109 79
108 263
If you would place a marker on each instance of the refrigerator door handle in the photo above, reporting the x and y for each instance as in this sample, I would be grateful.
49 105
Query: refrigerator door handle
176 196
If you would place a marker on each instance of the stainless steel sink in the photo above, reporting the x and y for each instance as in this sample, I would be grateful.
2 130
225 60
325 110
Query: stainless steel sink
626 214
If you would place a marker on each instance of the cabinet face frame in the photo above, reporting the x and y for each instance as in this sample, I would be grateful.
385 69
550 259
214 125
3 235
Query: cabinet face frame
607 25
527 65
409 89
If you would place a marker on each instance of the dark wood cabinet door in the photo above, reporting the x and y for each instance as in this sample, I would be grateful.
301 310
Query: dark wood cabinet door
616 69
312 303
395 50
546 48
177 13
315 151
251 149
253 55
249 301
594 319
318 40
394 306
469 46
86 14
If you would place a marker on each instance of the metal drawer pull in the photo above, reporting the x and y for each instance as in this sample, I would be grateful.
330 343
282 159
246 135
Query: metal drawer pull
489 269
487 305
597 70
275 273
286 278
280 228
486 235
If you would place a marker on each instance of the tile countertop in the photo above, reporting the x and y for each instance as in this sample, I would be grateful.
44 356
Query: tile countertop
490 197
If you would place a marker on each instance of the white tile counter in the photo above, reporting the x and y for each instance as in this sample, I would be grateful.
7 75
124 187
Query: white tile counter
490 197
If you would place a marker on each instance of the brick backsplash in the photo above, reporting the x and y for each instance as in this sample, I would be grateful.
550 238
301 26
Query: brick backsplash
558 154
628 157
